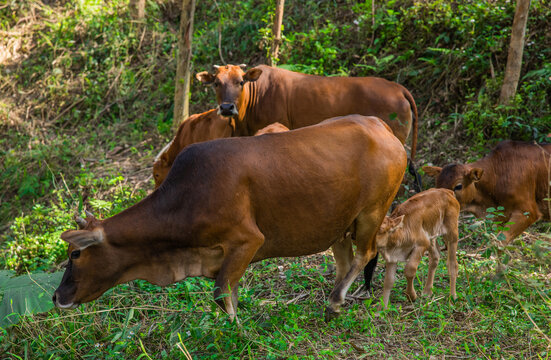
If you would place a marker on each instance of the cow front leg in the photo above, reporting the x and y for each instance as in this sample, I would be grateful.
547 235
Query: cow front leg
239 256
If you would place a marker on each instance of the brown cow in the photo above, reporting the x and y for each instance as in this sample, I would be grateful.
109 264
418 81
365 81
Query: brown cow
229 202
272 128
515 175
411 230
197 128
264 95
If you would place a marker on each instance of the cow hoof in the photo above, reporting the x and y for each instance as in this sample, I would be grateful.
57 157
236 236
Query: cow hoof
330 314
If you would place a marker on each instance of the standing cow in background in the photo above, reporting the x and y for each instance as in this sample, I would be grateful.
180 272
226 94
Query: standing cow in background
515 175
264 95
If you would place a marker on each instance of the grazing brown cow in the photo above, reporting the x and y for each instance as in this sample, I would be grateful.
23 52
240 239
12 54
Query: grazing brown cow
411 230
264 95
515 175
229 202
197 128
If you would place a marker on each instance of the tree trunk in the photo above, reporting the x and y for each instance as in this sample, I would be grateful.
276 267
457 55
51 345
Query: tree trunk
181 93
137 9
514 57
276 31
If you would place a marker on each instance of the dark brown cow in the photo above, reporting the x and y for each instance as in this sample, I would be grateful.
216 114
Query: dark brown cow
264 95
229 202
515 175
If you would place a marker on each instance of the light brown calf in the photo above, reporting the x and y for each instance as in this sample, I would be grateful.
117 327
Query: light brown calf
515 175
411 230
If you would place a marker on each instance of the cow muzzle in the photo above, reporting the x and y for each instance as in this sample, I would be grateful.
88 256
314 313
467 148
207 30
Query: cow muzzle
227 109
58 304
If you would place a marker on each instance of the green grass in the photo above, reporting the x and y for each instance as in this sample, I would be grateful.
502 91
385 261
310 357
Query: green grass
281 314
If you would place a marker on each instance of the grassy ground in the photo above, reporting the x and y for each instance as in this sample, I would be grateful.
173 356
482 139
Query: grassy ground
85 104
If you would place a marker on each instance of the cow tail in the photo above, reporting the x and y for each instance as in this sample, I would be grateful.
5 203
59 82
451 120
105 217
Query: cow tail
414 125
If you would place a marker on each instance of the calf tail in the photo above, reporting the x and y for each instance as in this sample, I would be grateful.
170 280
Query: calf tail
414 125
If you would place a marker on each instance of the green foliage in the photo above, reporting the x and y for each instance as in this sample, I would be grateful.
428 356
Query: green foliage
25 295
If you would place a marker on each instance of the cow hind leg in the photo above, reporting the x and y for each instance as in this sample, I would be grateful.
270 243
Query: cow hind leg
367 226
343 254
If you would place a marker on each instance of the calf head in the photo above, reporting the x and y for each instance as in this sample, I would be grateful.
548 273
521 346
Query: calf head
459 178
228 82
161 167
91 268
388 228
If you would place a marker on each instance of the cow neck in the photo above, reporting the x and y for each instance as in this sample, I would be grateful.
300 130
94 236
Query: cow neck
137 225
247 101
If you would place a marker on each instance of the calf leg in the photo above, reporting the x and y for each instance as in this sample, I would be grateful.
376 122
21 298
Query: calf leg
434 257
390 276
521 222
343 254
452 238
410 271
366 248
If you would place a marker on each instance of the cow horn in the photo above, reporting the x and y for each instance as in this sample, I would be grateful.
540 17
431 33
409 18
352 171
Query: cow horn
80 222
215 67
243 66
88 213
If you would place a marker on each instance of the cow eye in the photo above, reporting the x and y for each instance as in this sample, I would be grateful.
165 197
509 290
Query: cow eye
242 83
458 187
215 84
75 254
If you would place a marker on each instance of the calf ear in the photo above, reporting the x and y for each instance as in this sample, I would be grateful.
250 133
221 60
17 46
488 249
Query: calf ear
82 238
432 171
252 75
396 223
205 77
476 174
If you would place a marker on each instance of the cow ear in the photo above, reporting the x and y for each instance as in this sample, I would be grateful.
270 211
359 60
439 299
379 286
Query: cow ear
81 239
397 223
164 159
432 171
252 75
385 225
205 77
476 174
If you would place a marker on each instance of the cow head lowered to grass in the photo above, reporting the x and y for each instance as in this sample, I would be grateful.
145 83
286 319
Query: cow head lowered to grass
229 202
515 175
